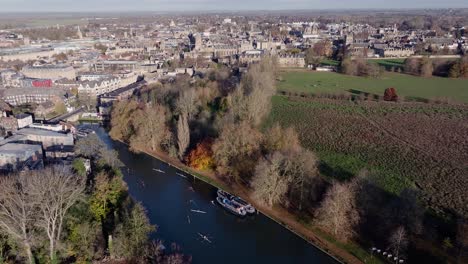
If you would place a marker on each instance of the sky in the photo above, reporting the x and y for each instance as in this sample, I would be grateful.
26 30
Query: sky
212 5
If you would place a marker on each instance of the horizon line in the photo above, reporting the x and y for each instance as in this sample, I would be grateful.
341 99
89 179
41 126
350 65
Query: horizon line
236 10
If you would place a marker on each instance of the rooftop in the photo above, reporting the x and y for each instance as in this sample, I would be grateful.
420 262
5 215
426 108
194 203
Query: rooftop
40 132
18 148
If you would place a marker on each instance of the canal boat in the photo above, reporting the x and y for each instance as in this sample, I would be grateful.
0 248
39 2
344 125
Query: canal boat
228 205
237 201
240 202
224 194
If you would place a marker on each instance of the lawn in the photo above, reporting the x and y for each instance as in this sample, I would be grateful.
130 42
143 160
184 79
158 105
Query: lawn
406 85
390 64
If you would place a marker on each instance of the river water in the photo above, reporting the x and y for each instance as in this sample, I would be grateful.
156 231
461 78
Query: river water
170 199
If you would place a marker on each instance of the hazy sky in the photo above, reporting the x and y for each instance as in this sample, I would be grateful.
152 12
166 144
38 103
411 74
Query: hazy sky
196 5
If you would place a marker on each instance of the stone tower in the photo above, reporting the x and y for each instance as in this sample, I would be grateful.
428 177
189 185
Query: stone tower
198 42
79 34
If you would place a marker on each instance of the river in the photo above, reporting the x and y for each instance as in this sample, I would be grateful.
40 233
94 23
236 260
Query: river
169 199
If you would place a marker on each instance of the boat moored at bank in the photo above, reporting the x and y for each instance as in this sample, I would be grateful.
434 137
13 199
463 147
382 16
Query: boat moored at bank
231 207
236 201
240 202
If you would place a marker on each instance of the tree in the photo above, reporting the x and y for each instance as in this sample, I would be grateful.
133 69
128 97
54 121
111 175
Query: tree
270 182
89 146
149 127
373 70
251 101
235 149
131 237
290 171
390 94
201 158
454 71
60 57
303 166
426 68
312 58
17 211
100 47
122 116
187 103
85 241
278 139
79 166
56 189
338 212
398 241
183 134
108 190
323 48
412 66
348 67
110 157
88 101
318 52
60 108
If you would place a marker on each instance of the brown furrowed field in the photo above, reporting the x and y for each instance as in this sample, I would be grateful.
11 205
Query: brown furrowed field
403 145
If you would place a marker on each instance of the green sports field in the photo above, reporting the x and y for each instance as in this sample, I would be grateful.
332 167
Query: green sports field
406 85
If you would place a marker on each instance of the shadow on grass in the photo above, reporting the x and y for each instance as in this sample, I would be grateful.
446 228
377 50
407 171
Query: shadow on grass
335 173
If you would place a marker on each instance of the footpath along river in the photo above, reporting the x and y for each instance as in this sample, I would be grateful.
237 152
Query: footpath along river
170 199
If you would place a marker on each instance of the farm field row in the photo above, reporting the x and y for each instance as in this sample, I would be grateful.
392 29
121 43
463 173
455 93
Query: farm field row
403 145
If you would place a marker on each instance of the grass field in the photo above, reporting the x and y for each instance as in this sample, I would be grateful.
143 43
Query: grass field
388 64
406 85
403 145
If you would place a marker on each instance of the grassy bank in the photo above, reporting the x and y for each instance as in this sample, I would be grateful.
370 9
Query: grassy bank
406 85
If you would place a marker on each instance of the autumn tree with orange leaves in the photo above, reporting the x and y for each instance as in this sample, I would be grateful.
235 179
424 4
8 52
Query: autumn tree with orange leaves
201 158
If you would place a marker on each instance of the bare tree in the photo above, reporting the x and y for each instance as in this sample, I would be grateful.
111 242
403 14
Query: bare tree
17 211
183 134
412 66
150 127
89 146
278 139
338 212
110 157
285 172
426 67
235 147
302 166
251 101
398 241
270 182
55 190
187 103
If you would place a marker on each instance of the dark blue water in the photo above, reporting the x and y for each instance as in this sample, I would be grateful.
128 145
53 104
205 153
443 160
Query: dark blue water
169 199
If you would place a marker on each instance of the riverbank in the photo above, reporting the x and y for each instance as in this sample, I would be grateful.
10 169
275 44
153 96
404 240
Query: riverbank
345 253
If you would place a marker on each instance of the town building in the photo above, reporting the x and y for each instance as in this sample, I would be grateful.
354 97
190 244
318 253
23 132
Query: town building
18 157
53 72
